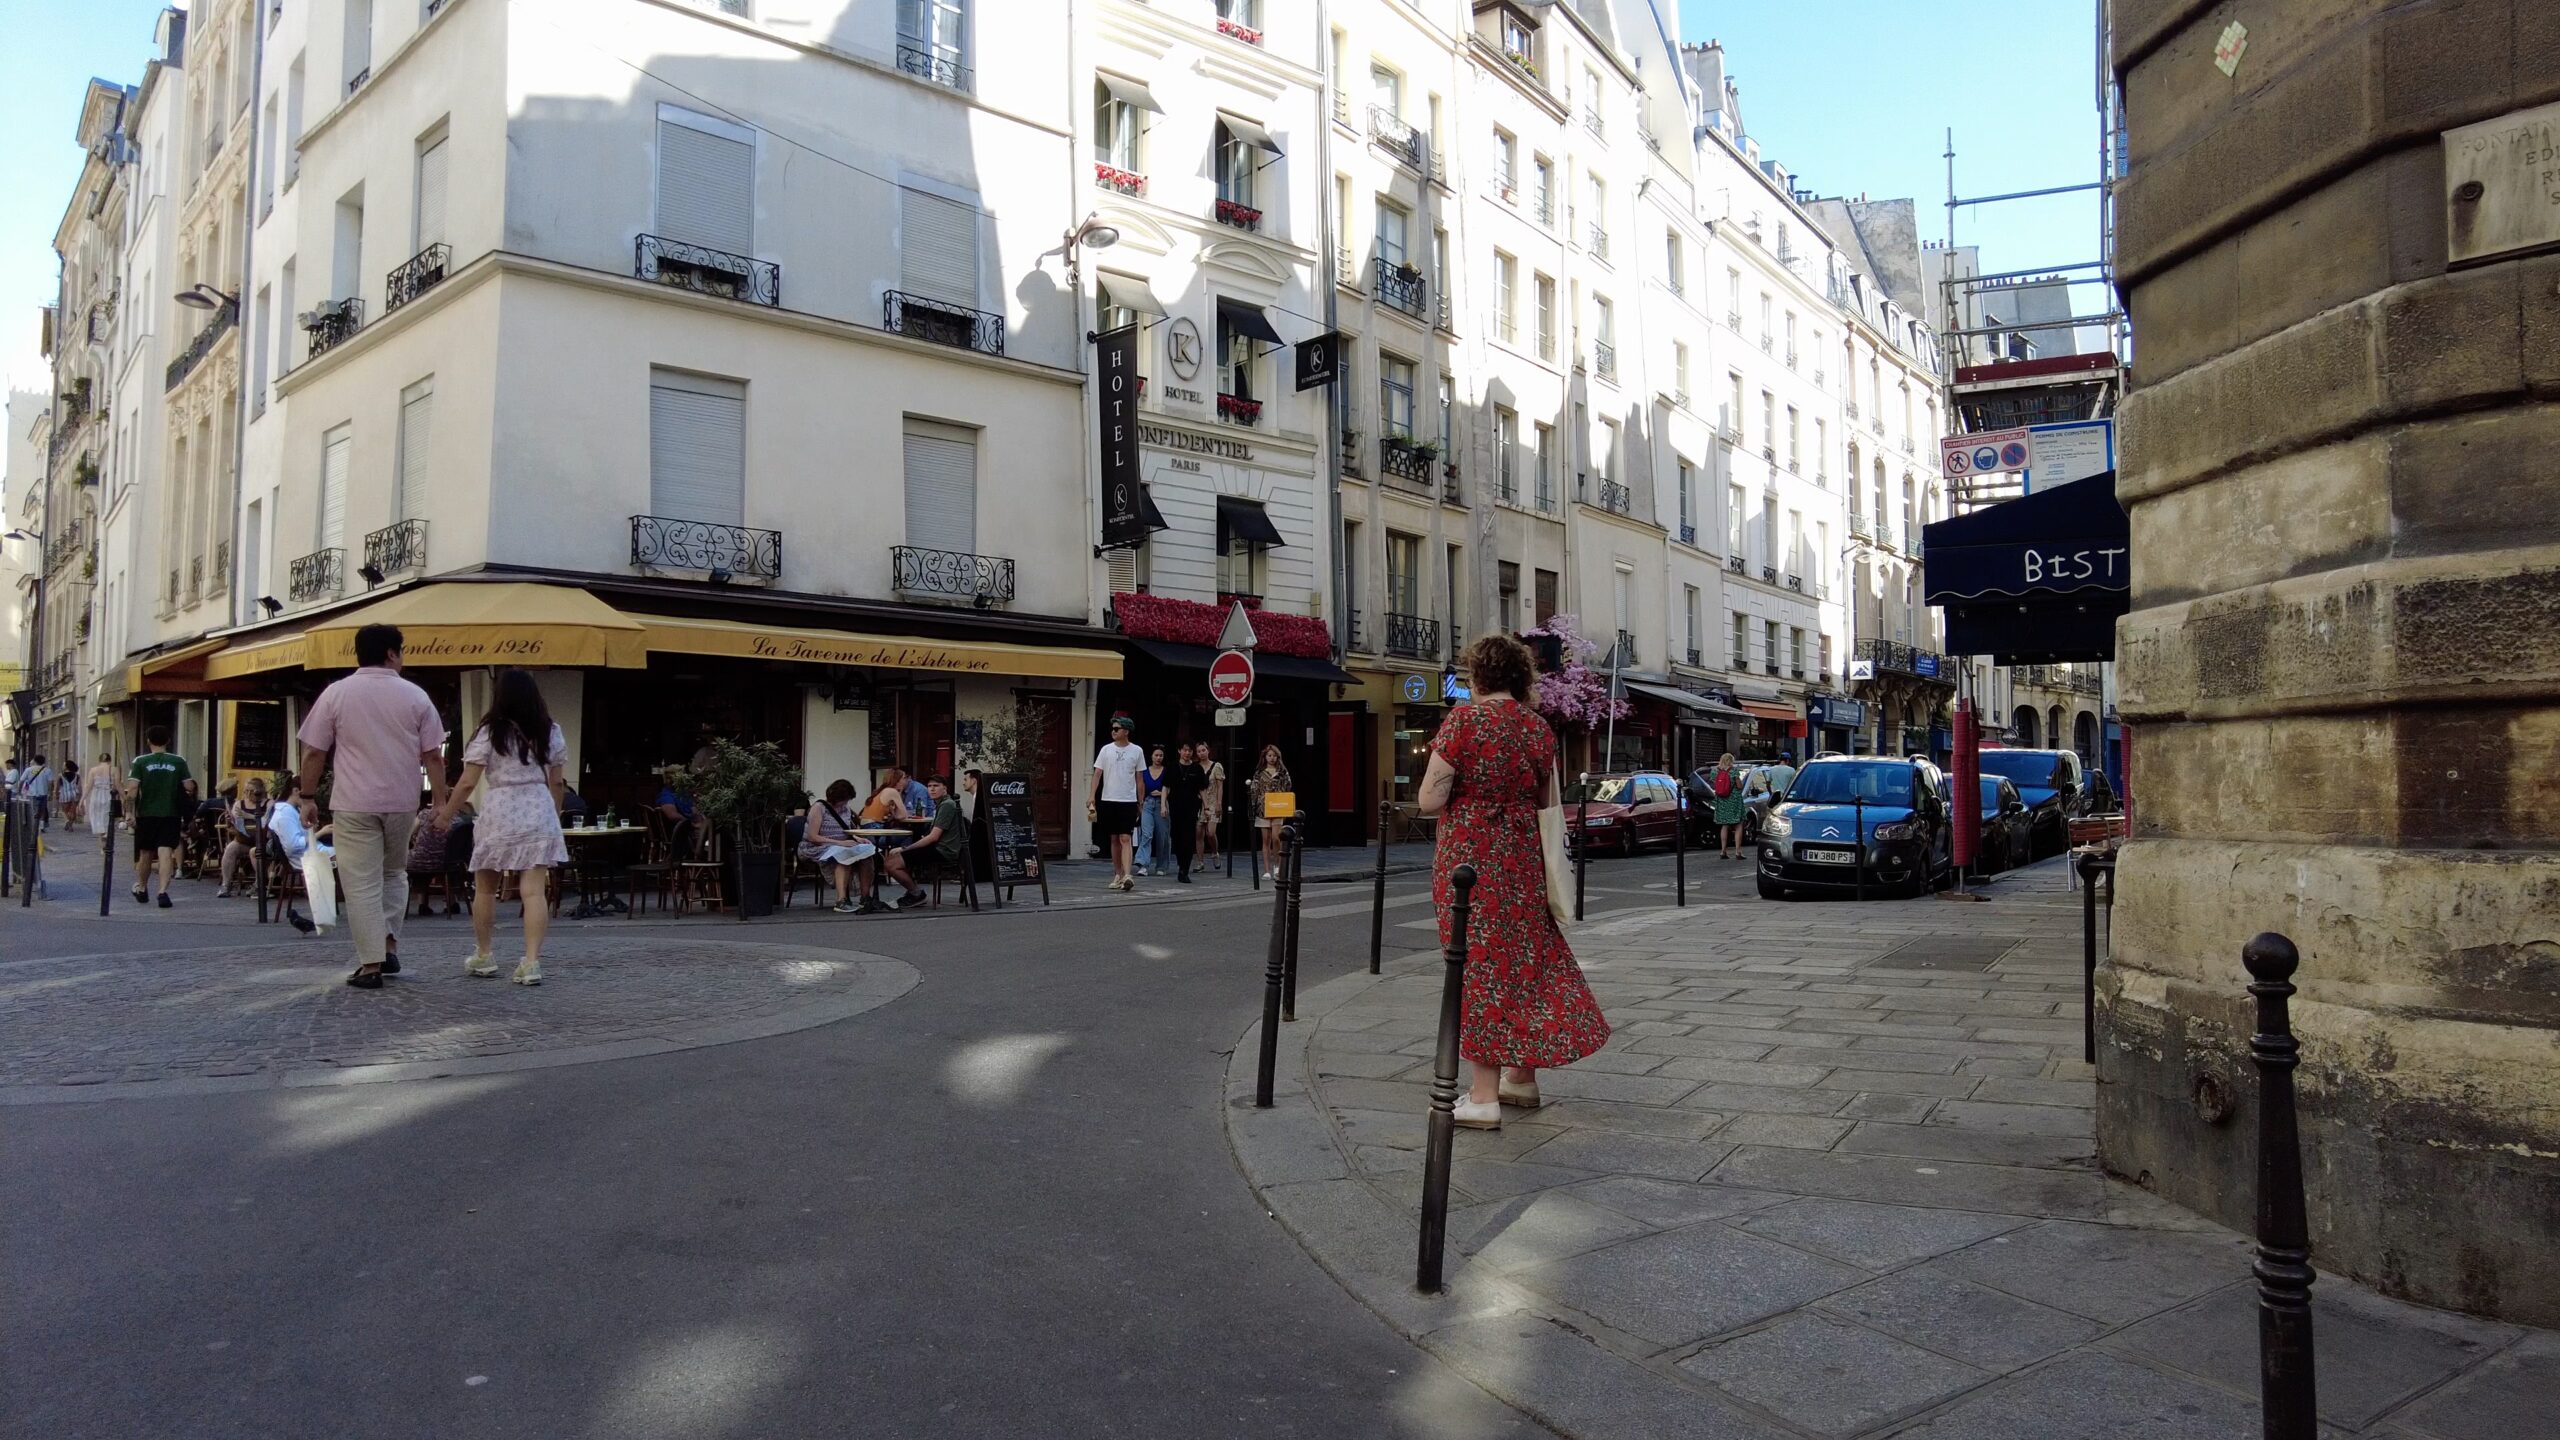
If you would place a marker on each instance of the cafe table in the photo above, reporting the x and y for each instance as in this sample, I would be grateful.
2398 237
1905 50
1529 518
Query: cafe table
598 853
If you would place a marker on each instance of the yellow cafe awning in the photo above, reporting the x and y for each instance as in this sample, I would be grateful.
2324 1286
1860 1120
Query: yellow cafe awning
500 623
142 670
279 652
668 635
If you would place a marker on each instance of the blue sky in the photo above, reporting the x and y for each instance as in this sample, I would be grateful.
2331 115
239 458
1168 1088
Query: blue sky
1853 95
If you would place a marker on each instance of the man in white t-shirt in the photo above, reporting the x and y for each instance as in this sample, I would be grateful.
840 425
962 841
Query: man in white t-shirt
1114 807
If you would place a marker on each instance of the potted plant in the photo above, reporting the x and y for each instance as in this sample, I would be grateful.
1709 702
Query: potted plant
746 793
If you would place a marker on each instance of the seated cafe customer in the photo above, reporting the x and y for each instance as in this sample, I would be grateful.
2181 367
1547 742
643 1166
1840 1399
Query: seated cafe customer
676 809
843 857
934 855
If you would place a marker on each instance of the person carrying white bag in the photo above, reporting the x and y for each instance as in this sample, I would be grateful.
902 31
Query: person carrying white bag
309 851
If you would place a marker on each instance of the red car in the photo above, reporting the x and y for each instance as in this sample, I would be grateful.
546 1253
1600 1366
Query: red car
1626 812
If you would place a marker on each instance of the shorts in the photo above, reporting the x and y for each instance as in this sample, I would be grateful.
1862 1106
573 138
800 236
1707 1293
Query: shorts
1115 817
155 832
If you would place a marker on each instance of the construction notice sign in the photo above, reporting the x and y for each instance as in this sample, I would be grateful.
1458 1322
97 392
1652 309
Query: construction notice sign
1995 453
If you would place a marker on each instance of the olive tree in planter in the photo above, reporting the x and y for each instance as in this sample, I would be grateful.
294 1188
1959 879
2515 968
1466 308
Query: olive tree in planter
746 793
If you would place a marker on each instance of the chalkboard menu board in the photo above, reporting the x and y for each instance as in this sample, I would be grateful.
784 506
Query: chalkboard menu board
257 736
1012 834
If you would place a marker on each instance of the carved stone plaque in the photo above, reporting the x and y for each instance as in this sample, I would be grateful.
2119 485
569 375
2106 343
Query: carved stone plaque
2502 185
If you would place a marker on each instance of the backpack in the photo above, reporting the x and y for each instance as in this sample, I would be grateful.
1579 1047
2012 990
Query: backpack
1723 782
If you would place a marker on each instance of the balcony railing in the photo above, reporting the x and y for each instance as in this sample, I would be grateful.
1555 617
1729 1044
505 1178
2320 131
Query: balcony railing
1545 495
1689 535
1768 343
1354 462
706 271
1769 573
320 575
1238 30
1346 271
1545 209
217 580
1402 458
1395 137
1901 659
1626 649
1599 241
1604 358
1615 498
926 63
724 552
1591 121
1239 409
333 325
53 674
1239 214
1361 640
415 277
1127 182
1737 564
1733 320
1859 528
943 324
1696 656
1401 286
1413 637
395 548
1796 583
201 346
980 580
355 83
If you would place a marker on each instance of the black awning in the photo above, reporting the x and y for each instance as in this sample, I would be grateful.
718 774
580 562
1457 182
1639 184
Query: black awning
2067 540
2072 631
1265 667
1249 320
1247 523
1147 508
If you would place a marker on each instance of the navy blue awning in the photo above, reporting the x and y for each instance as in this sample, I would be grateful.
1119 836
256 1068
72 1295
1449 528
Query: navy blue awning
2052 543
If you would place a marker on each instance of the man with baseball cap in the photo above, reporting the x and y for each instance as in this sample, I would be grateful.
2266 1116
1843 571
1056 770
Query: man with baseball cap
1113 809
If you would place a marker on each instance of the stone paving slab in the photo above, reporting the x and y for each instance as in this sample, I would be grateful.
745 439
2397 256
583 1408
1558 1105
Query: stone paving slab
1833 1176
279 1013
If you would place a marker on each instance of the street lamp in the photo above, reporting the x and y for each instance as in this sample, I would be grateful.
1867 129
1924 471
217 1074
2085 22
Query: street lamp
23 535
205 297
1093 232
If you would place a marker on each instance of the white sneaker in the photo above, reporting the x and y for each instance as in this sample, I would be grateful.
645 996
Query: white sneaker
1472 1116
480 966
528 972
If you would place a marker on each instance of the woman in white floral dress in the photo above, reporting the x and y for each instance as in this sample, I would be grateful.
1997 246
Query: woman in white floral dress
523 756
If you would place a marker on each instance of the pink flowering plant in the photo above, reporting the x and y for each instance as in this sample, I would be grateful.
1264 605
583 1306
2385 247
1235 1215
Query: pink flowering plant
1191 622
1575 697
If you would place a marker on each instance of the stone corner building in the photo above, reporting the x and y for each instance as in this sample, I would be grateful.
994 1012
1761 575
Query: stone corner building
2343 663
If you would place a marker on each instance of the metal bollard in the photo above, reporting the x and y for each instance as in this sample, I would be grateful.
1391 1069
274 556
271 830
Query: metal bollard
8 846
2288 1397
2089 867
1858 833
1291 885
107 876
1444 1089
1581 844
30 858
1680 842
1378 899
1273 970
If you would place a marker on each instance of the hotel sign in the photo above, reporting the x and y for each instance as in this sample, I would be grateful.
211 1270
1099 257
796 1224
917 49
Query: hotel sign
1168 439
1124 512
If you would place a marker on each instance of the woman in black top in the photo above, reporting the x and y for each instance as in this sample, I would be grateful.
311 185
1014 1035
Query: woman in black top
1185 782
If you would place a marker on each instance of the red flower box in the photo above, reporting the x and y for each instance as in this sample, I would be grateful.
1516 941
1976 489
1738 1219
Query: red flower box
1128 182
1189 622
1242 216
1245 33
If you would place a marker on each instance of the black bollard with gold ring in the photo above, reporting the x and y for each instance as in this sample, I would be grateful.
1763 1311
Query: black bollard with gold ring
1444 1088
2287 1394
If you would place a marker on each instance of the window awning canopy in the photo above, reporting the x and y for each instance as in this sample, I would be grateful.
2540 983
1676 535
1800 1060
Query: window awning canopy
1147 510
1128 293
745 640
1247 523
1129 92
1688 700
1249 132
1249 320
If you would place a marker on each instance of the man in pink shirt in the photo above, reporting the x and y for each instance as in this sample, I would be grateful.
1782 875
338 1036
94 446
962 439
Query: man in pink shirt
373 732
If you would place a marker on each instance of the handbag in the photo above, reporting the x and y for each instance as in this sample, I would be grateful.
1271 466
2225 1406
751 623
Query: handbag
1551 856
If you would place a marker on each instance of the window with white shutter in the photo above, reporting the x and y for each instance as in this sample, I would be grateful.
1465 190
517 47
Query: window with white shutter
942 487
938 248
409 482
697 448
430 207
706 181
333 488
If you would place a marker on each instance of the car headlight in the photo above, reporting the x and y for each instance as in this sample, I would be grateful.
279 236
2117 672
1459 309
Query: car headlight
1897 830
1776 826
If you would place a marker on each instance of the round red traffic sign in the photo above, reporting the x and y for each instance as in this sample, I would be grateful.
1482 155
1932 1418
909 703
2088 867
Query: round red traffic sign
1231 677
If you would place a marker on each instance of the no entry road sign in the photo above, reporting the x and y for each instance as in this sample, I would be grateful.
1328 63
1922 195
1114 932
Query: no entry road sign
1231 677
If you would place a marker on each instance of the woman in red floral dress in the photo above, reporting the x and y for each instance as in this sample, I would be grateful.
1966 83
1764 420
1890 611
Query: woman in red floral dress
1527 1007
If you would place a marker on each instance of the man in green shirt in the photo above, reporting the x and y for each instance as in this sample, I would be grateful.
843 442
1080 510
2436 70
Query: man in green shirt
935 855
155 793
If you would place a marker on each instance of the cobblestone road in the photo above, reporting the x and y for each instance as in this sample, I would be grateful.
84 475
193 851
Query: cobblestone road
244 1016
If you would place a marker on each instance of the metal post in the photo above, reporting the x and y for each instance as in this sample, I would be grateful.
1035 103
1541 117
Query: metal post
1378 898
2289 1398
1680 845
1273 968
2088 867
1581 844
30 860
258 863
1292 857
8 845
1444 1088
107 876
1858 832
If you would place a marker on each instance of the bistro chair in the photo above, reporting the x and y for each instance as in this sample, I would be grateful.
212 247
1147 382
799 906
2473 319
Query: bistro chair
656 871
797 867
698 879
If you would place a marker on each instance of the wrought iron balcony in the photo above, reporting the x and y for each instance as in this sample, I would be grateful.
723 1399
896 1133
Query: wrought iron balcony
1239 214
1127 182
1696 657
1768 343
1353 462
1401 286
1413 637
415 277
1737 564
195 576
1901 659
1615 498
1546 496
320 575
1859 528
333 324
1688 534
722 552
1591 121
202 345
1733 320
53 674
1395 137
943 324
1599 246
1604 357
984 581
355 83
1546 209
1796 583
706 271
395 548
1403 458
924 63
1239 409
1769 573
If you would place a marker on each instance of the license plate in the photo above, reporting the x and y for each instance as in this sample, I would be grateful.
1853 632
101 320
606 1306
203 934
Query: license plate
1828 857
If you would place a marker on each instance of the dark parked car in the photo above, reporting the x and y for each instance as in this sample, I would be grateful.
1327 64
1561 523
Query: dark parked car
2050 782
1759 793
1885 817
1626 813
2008 831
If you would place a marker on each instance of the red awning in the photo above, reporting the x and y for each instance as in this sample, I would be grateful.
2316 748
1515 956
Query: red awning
1767 711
